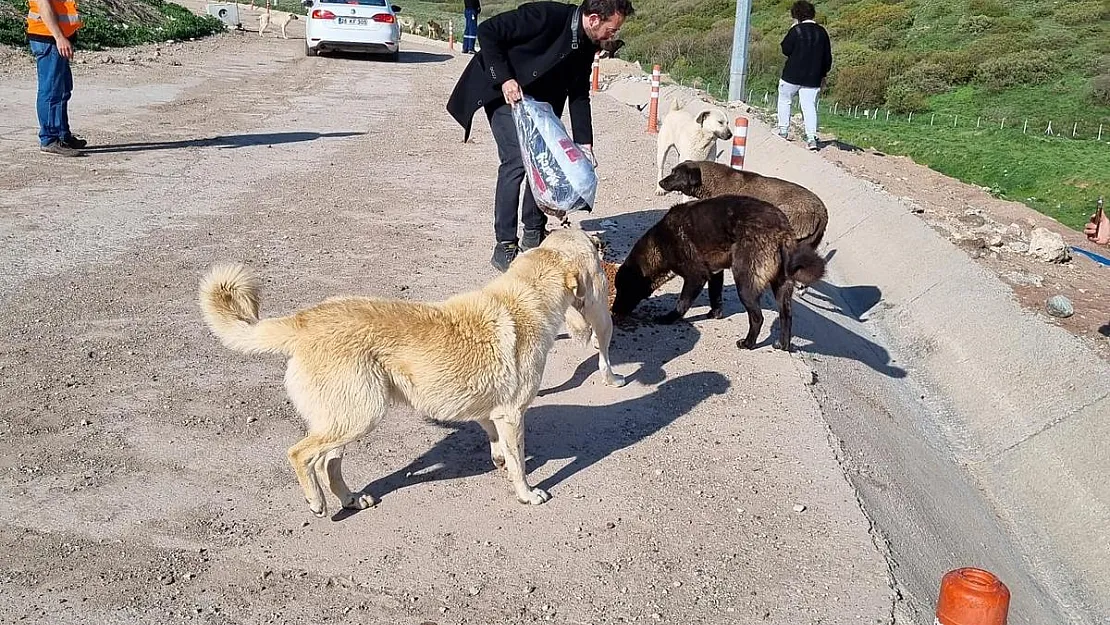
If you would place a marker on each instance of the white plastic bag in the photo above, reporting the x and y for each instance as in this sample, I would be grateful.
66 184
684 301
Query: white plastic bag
560 175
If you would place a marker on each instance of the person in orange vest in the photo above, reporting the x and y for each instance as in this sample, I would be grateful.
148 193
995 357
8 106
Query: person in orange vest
51 28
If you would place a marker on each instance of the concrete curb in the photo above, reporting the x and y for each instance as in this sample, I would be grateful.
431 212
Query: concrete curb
1023 405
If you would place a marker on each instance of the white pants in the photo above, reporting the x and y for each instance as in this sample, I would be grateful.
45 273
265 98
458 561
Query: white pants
807 99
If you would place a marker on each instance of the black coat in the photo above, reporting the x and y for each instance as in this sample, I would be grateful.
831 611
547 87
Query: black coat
473 4
808 54
543 47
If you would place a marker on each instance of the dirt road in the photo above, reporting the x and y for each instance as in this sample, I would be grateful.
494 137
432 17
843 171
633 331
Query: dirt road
142 466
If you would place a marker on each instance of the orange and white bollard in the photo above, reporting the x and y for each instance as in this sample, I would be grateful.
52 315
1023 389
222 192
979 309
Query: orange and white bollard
970 596
596 70
739 142
653 108
451 35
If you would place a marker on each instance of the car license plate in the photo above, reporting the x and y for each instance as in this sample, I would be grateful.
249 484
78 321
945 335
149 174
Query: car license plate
356 21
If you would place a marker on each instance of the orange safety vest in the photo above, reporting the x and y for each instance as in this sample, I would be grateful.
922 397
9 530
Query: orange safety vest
64 10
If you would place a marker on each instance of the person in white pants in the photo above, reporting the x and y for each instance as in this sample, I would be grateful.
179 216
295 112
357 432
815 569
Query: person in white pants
808 61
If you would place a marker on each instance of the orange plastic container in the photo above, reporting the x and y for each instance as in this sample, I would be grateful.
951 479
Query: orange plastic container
971 596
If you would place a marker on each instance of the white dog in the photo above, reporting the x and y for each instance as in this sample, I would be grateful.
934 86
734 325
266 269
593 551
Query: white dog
695 138
282 21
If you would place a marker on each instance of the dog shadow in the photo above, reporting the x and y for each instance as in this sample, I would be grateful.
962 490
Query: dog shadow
582 434
222 142
1105 330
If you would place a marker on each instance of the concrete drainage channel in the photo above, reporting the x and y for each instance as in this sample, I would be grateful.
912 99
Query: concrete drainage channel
974 433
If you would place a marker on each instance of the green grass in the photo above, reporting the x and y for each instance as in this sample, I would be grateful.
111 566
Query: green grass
1058 177
1035 60
112 24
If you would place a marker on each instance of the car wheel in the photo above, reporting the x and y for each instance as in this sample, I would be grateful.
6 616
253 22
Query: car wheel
309 51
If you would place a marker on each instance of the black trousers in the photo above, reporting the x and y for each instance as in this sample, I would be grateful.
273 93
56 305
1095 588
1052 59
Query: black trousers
510 175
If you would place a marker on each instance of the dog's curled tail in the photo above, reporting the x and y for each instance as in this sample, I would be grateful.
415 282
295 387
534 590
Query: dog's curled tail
229 304
804 265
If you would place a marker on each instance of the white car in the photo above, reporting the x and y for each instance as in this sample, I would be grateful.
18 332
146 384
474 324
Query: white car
352 26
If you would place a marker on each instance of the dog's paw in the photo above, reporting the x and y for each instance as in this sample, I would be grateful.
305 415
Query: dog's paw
716 313
746 344
535 497
319 508
360 502
498 461
615 380
660 190
786 348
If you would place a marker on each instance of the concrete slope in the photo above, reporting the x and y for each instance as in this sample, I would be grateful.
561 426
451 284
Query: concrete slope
974 431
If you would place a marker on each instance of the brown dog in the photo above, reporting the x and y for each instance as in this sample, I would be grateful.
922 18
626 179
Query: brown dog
698 240
703 179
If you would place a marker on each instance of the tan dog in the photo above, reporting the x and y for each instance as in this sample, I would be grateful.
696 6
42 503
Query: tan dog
704 179
282 21
695 138
476 356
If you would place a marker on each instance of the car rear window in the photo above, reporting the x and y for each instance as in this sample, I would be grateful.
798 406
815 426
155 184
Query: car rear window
364 3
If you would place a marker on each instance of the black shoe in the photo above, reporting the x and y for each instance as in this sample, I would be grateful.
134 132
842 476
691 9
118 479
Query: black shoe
532 238
60 148
503 254
73 142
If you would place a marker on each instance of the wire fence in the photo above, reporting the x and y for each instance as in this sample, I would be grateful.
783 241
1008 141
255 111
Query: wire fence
1069 129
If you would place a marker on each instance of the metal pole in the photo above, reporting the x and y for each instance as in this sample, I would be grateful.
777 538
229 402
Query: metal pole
738 67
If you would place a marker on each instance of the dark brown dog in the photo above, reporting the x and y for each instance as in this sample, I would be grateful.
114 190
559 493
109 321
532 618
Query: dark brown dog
702 179
698 240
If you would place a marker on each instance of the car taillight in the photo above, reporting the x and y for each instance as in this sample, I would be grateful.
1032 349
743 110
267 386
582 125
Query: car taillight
322 15
385 18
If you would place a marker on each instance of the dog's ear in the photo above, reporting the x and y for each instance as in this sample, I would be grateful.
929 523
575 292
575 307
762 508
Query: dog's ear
577 286
704 114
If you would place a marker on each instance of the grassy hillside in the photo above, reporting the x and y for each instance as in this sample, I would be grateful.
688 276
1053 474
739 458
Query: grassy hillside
115 23
992 68
974 74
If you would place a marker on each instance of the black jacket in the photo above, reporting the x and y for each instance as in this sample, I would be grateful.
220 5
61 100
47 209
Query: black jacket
543 47
808 54
473 4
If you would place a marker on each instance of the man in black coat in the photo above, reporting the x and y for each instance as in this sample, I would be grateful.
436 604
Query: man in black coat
543 50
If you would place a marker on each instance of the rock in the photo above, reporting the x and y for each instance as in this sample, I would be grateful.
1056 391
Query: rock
1048 246
86 422
1021 278
1019 247
972 220
1059 306
474 591
799 508
974 246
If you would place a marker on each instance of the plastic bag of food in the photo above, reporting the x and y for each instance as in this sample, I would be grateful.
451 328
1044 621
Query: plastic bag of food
560 175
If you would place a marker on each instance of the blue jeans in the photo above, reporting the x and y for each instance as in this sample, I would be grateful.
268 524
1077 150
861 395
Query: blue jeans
470 35
55 87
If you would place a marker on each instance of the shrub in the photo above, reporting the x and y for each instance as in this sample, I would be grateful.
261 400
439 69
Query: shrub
864 85
901 98
1082 13
926 77
958 66
1100 90
976 24
882 38
866 19
1013 70
990 8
